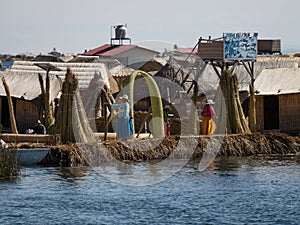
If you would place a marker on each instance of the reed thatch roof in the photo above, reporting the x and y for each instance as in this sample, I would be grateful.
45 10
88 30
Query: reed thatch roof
154 64
278 81
185 71
245 79
178 67
279 59
24 85
121 71
84 71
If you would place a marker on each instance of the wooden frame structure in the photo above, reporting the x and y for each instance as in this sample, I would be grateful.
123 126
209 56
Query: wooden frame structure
212 51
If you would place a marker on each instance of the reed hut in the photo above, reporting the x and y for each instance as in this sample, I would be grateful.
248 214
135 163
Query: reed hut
153 65
26 96
85 72
278 100
262 63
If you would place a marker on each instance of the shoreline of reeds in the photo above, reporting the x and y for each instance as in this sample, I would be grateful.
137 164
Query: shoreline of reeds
194 147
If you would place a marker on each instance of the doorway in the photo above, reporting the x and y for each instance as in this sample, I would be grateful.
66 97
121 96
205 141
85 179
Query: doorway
5 115
271 112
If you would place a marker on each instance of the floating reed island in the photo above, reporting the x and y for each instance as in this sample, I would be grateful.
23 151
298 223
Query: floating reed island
177 147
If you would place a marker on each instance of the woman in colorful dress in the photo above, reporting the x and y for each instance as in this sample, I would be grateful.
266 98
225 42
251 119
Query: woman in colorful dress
124 126
208 125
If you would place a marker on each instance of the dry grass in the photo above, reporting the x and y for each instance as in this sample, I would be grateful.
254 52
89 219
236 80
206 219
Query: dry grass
149 149
8 165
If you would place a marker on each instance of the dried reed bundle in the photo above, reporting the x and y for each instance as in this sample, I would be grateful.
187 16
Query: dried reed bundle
8 164
236 122
64 125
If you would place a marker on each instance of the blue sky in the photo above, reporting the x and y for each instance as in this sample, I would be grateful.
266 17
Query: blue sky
71 26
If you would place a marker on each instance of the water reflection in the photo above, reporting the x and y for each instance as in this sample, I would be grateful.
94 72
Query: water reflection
144 173
227 164
73 174
252 190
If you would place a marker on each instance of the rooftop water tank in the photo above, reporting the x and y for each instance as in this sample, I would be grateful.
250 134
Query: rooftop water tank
120 31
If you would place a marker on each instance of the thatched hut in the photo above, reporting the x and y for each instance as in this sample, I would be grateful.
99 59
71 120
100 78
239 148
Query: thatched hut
85 72
26 96
153 65
278 100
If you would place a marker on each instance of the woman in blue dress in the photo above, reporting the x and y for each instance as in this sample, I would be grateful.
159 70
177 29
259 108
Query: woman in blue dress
124 126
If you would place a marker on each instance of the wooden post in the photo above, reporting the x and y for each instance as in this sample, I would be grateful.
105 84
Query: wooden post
13 123
48 112
42 104
251 105
193 109
105 121
252 110
144 122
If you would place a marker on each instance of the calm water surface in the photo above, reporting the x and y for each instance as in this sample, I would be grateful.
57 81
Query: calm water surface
234 191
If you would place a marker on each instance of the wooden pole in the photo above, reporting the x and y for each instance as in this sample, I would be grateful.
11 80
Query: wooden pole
144 121
105 121
42 104
252 101
193 117
48 111
13 123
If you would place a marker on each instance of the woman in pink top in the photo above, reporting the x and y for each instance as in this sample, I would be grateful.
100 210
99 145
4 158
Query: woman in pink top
208 125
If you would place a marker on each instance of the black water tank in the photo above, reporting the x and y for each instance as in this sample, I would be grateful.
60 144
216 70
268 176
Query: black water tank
120 32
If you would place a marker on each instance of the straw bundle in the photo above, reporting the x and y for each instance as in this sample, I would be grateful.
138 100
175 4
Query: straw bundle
236 122
64 114
8 164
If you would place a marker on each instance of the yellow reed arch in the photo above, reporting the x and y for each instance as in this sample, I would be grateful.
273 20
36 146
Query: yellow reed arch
156 103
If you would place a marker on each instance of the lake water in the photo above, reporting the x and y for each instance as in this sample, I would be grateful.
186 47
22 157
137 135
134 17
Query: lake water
234 191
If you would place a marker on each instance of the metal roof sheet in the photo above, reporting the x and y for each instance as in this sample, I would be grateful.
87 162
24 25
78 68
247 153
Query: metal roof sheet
97 50
113 50
118 50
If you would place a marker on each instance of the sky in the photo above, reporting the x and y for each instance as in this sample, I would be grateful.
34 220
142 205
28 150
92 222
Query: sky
72 26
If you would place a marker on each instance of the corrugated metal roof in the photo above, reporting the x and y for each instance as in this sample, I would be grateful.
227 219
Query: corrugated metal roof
278 81
98 50
113 50
117 50
25 85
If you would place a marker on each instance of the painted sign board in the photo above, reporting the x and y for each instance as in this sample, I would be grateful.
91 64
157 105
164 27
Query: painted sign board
240 46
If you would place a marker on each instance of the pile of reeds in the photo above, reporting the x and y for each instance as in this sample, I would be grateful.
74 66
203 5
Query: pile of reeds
179 147
236 123
8 164
64 125
64 155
